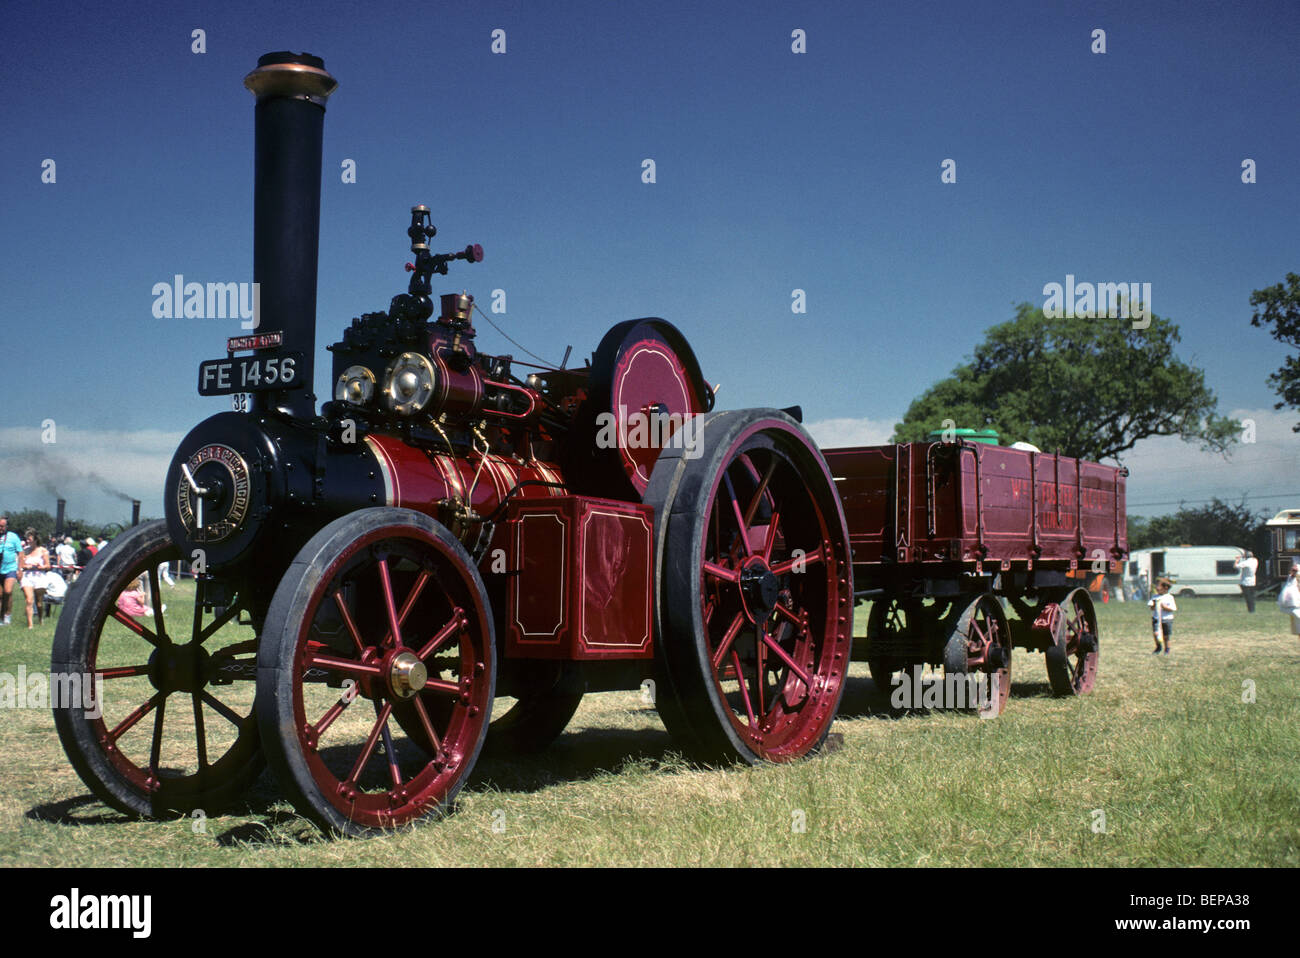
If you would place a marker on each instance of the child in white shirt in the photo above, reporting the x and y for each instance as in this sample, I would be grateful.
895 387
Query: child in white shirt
1163 608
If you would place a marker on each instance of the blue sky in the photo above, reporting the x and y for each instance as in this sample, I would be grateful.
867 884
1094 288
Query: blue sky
775 171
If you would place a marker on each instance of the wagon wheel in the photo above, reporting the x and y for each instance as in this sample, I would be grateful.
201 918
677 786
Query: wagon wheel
753 596
981 642
163 736
376 677
1072 658
547 698
894 621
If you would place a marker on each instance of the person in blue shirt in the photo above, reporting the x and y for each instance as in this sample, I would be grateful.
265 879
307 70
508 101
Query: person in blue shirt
10 546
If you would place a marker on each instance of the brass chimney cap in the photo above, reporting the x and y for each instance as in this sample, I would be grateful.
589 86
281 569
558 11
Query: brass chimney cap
297 75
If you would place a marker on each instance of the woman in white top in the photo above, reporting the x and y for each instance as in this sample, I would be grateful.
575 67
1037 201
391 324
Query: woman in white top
32 567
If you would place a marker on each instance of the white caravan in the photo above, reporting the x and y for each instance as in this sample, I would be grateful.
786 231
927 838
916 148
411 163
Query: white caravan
1196 570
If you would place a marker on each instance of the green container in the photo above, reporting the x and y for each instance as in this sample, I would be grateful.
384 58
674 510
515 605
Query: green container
989 436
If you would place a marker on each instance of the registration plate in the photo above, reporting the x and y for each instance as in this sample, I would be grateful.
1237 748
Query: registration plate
242 374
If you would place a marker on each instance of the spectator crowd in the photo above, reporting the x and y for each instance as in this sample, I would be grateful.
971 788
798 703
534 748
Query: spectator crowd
39 568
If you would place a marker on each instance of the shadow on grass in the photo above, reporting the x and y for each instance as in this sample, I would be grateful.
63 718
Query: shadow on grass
275 825
863 699
66 812
1031 690
574 757
577 757
278 830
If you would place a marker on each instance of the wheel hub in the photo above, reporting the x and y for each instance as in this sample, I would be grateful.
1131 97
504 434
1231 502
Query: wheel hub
407 675
179 668
761 589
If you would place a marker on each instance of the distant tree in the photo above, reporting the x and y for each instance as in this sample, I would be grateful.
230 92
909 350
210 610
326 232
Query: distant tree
1217 524
1138 528
43 522
1089 387
40 520
1281 311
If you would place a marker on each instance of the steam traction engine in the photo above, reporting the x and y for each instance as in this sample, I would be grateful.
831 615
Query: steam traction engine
372 577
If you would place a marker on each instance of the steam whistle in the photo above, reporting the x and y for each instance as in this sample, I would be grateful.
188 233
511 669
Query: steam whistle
417 304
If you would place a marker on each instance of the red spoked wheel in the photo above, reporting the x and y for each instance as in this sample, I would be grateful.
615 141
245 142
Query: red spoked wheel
981 643
1072 657
754 592
172 727
377 672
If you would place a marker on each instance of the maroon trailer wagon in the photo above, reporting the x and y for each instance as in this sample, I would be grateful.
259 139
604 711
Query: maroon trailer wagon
943 532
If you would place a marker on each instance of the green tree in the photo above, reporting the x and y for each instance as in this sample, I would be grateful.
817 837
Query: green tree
1089 387
23 519
1278 307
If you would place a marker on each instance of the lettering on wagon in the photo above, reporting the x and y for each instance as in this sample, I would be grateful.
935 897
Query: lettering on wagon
1089 497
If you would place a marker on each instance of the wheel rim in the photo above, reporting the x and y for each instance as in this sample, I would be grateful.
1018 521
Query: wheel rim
986 637
772 596
394 744
171 758
1079 622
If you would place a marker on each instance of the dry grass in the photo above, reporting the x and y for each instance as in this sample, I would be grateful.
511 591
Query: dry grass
1184 770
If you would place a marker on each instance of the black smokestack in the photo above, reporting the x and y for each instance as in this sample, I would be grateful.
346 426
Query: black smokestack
135 512
59 507
291 90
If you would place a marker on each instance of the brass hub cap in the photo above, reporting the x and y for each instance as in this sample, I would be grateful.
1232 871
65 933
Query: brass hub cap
407 675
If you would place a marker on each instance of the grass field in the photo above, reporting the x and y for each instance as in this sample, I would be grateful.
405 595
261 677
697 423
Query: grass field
1164 764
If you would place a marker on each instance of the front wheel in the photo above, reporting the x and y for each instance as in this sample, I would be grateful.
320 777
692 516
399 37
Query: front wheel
377 672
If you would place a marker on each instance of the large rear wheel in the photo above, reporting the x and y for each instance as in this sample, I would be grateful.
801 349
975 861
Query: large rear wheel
754 590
